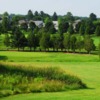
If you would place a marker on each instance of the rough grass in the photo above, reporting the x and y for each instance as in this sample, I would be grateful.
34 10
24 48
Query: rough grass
16 79
89 72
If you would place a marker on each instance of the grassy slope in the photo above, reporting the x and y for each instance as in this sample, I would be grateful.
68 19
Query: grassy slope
85 66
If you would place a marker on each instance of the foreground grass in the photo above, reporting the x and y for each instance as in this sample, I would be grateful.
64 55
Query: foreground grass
88 69
17 79
89 73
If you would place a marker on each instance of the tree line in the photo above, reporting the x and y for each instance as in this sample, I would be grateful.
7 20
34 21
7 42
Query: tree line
66 23
49 42
48 38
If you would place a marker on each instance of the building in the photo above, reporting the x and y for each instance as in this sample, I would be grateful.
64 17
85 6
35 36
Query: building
55 24
75 23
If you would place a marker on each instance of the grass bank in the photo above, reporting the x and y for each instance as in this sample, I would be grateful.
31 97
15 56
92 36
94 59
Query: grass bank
17 79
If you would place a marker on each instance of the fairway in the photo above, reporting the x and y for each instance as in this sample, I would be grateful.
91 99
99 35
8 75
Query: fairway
87 67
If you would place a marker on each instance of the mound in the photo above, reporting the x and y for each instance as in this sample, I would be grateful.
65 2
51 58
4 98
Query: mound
16 79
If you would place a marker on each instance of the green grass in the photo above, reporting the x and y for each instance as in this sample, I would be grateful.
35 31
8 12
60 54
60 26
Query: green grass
85 66
46 57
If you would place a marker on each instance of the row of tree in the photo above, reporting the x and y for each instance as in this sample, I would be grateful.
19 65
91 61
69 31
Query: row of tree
45 41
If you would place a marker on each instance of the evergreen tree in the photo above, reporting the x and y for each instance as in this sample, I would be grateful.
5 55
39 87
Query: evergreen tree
36 30
82 29
30 15
73 43
66 41
42 13
45 41
55 17
32 25
32 40
97 31
5 24
7 40
99 50
47 19
17 39
23 41
69 17
1 29
24 26
88 44
70 29
77 27
63 27
93 17
87 30
79 43
56 41
36 13
89 27
5 14
49 27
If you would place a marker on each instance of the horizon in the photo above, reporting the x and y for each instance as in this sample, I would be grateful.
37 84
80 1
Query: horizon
77 8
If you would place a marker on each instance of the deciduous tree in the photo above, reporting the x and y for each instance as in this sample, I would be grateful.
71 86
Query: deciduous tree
45 41
66 41
97 31
73 43
88 44
7 40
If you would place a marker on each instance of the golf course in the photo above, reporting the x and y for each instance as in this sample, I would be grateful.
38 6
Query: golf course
85 66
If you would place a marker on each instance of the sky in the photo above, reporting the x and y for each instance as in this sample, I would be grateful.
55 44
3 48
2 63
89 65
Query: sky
61 7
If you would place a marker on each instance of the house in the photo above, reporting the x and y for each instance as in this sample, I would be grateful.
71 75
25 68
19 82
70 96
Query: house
75 23
37 23
55 24
21 22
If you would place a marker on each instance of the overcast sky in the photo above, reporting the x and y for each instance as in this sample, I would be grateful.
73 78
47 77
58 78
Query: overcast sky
77 7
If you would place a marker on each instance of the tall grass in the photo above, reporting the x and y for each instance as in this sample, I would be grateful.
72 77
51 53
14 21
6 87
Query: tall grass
15 79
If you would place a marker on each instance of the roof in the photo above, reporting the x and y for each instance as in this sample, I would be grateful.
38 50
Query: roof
21 21
55 24
76 22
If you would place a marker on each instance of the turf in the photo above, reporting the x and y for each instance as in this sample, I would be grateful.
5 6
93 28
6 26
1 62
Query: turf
46 57
87 67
